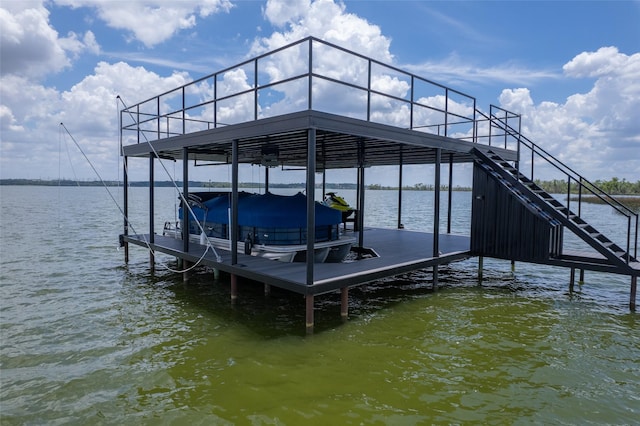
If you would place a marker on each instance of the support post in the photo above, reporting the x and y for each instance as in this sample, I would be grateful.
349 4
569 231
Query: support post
435 277
185 274
361 186
581 279
360 213
324 180
125 193
400 226
480 267
266 179
151 210
513 266
436 206
267 289
344 303
311 203
449 213
632 295
234 288
572 279
309 313
436 216
185 197
233 223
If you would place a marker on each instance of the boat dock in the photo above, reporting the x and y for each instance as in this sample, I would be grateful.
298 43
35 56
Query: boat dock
308 117
397 251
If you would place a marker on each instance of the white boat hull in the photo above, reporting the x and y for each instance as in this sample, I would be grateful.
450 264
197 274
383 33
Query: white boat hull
327 251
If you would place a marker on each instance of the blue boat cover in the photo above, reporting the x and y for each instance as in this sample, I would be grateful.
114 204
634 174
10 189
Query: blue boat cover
266 211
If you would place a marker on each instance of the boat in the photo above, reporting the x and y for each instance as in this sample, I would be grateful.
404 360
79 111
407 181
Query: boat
269 225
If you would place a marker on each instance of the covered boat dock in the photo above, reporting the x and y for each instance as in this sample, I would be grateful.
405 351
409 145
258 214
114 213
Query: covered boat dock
315 119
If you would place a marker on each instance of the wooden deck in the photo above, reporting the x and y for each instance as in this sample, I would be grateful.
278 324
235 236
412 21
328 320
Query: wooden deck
398 251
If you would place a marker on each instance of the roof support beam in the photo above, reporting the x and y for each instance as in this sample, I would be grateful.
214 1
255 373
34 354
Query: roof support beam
436 215
233 222
311 211
185 197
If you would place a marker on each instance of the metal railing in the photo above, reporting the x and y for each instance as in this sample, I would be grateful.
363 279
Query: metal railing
500 119
303 76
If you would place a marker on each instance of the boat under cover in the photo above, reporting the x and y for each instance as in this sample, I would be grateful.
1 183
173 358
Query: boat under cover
270 225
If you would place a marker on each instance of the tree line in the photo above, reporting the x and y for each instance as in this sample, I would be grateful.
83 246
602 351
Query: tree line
614 186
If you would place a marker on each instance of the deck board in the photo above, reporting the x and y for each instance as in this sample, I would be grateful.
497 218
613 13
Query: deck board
399 251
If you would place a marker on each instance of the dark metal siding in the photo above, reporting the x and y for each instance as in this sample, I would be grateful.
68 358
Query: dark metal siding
503 226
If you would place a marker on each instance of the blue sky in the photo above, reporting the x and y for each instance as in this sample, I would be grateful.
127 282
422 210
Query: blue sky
572 69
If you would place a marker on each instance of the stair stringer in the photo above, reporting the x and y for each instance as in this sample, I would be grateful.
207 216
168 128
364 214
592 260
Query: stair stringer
533 195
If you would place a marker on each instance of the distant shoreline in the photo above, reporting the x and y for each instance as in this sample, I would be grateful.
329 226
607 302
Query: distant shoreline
201 184
614 186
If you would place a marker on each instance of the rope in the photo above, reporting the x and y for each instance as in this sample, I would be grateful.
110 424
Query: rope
147 243
182 197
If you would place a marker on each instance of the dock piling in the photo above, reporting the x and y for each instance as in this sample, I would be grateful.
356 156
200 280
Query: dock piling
234 288
572 279
435 277
309 313
344 303
185 274
480 267
632 295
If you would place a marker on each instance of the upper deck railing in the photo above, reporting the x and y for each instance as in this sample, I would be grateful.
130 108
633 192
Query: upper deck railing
309 74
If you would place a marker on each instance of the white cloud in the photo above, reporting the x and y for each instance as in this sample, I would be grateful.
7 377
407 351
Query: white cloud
329 21
152 21
605 61
73 44
31 114
30 46
284 12
326 20
598 132
8 121
454 70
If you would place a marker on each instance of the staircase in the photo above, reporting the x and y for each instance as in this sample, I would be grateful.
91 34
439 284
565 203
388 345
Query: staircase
550 215
555 214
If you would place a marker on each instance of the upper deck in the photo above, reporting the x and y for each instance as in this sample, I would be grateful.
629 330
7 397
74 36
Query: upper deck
365 113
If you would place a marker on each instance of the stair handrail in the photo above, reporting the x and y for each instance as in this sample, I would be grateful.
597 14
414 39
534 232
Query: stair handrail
581 181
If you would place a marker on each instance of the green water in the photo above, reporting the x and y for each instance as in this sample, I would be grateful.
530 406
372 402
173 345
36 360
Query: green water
98 342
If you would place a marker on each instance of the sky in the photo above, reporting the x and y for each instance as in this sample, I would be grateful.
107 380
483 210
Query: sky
571 68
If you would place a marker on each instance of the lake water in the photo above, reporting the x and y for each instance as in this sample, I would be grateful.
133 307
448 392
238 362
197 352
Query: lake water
86 339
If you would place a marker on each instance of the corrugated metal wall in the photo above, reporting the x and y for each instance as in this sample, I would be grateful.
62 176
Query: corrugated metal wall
504 226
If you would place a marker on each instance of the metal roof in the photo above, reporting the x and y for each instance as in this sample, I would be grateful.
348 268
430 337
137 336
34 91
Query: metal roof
341 142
